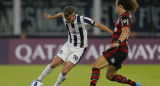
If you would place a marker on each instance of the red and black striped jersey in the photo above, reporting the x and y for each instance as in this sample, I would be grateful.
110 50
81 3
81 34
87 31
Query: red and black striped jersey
123 21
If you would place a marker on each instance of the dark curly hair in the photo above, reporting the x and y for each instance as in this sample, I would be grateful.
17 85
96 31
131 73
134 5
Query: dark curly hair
129 5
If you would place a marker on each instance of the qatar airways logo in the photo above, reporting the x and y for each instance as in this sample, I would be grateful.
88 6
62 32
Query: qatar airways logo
39 52
48 51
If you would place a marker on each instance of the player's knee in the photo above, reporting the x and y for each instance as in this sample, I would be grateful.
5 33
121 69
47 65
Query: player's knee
95 65
53 65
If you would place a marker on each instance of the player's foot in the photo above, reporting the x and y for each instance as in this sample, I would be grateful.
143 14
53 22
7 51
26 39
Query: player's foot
138 84
59 82
37 80
34 81
56 84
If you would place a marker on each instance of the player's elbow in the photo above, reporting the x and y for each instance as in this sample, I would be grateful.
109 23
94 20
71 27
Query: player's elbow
96 24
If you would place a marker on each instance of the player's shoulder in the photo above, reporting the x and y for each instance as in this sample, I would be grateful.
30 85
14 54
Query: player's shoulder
77 15
80 16
126 14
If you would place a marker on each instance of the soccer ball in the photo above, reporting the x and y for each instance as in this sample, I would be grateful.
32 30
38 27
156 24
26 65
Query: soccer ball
36 83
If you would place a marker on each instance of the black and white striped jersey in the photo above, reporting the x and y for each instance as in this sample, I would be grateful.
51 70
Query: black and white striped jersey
77 31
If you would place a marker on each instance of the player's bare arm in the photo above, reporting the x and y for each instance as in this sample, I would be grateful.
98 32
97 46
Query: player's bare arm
103 27
48 16
124 34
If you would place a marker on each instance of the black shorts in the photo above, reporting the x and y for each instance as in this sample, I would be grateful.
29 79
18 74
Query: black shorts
115 57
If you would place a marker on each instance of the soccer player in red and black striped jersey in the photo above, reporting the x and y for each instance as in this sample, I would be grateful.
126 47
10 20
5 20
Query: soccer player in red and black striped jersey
117 53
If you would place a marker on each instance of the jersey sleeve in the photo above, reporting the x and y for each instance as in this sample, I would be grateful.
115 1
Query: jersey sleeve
125 21
64 20
88 21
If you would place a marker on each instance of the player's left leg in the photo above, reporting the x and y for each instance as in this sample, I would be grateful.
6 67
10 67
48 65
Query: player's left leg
97 65
63 75
111 75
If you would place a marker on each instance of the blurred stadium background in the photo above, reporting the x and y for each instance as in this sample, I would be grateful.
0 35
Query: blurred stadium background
28 41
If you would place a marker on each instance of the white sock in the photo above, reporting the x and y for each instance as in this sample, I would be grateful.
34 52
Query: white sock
61 78
45 72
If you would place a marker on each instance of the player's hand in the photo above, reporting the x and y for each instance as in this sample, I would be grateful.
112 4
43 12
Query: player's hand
114 45
48 16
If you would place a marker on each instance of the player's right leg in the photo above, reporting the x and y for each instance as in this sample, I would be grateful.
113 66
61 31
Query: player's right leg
113 76
61 56
115 61
56 62
138 84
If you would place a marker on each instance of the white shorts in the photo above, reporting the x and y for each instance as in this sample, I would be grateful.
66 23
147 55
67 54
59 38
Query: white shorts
71 53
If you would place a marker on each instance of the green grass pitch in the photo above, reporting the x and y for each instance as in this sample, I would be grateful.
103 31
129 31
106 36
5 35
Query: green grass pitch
22 75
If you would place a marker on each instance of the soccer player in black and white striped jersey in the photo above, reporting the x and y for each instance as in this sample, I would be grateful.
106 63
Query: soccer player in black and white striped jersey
72 51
